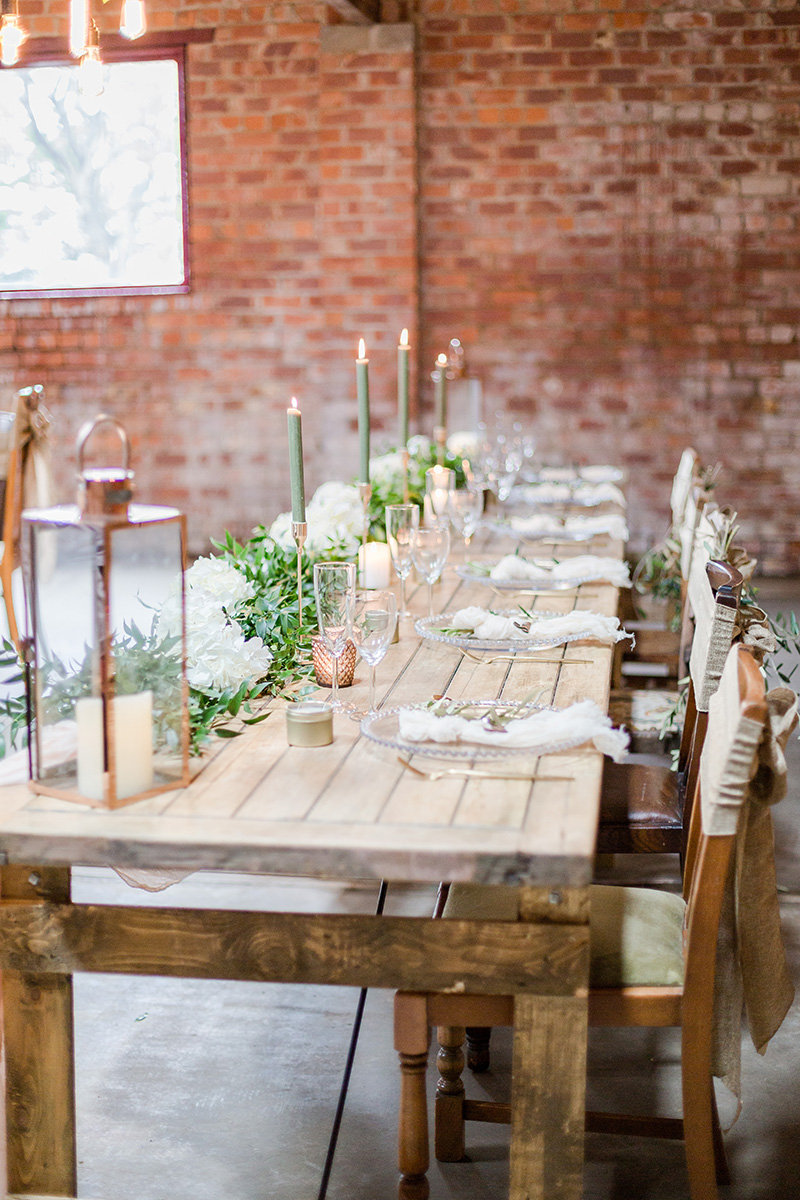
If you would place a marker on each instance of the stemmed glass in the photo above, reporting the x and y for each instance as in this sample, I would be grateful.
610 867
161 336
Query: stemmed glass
429 549
335 593
373 629
464 508
401 521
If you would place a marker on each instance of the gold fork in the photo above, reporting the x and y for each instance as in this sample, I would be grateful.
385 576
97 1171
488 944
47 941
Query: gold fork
518 658
471 773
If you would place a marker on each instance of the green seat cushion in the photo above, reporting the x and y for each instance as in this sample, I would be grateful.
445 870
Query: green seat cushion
636 934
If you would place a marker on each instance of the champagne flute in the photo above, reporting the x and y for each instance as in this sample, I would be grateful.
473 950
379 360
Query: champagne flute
464 508
401 521
429 549
374 623
334 592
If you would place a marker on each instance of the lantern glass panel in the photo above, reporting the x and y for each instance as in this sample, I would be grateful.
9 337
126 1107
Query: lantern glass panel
107 621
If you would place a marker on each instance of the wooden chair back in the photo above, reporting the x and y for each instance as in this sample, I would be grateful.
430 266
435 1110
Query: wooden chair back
735 727
682 484
28 483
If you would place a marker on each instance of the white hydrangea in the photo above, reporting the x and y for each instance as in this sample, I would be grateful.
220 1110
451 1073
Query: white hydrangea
420 446
335 517
387 470
463 444
217 654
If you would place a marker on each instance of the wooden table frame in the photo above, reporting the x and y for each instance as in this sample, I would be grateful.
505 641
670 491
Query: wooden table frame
545 847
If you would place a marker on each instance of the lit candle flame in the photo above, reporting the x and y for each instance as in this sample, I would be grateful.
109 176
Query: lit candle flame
362 350
404 338
441 361
294 401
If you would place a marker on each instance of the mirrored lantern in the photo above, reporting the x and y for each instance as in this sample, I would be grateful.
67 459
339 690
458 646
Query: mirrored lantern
104 590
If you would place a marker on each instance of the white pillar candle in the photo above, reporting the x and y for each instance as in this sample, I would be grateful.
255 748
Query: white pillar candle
133 744
375 565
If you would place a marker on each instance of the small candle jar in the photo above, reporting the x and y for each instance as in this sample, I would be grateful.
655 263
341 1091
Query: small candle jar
309 723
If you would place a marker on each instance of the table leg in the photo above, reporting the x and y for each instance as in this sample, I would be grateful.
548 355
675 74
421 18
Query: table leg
548 1097
39 1064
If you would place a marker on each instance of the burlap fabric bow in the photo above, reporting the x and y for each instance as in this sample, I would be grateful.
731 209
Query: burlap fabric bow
751 960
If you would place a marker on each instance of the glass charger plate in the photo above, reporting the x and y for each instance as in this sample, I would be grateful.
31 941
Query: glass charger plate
384 728
544 582
430 627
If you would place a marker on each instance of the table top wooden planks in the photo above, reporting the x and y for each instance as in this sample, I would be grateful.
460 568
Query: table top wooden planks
351 810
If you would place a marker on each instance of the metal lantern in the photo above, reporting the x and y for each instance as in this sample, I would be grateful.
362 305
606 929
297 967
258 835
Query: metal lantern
104 589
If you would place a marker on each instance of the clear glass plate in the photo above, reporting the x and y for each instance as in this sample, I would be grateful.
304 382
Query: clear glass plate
430 627
544 582
384 728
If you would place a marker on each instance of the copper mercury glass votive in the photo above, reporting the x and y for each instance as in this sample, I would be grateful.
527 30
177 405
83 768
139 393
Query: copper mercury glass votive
323 663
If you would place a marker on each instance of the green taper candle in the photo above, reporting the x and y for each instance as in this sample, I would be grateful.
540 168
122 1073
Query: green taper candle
362 384
403 354
440 381
296 462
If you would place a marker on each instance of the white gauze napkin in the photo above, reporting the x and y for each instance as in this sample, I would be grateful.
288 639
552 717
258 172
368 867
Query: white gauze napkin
495 626
581 722
538 524
583 566
562 493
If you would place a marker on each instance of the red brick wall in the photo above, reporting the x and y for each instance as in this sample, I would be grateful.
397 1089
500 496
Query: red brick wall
608 219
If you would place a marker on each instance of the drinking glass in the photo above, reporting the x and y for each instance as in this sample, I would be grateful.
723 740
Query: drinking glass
464 507
374 623
429 549
401 521
335 593
439 483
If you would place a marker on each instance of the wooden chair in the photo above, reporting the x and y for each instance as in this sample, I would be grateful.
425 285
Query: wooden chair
28 483
642 808
652 964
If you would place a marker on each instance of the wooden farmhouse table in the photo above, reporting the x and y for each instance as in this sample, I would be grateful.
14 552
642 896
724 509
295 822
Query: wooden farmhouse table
346 811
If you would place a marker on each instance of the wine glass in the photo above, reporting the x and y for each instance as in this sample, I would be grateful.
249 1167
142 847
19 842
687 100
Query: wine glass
429 549
374 623
401 521
464 508
334 592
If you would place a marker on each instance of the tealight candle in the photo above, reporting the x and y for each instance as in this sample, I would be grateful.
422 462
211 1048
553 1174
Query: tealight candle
309 723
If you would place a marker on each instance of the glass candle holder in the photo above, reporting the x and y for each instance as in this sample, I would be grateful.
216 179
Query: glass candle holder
439 483
323 663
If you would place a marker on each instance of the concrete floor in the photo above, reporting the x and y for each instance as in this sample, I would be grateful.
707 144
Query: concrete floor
195 1091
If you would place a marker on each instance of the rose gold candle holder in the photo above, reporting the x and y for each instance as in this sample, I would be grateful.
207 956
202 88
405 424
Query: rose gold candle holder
299 533
365 493
440 437
404 457
323 663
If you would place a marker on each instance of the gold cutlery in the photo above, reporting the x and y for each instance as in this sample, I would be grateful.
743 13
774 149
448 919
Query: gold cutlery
471 773
518 658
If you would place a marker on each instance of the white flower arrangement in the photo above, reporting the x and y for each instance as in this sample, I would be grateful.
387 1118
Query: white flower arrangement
463 444
218 656
335 518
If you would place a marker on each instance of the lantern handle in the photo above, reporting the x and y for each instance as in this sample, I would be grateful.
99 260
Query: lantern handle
87 429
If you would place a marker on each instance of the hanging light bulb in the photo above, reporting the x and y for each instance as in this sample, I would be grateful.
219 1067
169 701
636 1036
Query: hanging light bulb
133 21
78 26
90 71
12 34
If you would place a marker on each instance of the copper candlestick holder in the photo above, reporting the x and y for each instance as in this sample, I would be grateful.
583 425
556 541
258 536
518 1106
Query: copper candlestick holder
299 533
365 492
440 437
404 457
